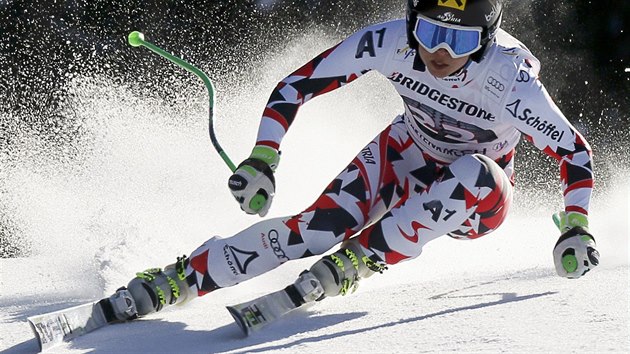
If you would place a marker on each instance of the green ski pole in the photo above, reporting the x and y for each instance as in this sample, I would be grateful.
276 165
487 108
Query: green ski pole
136 39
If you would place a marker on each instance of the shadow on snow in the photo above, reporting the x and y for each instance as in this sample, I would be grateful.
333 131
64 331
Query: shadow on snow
507 298
164 336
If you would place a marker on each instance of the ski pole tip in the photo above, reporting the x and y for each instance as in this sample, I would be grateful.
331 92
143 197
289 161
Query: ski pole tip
135 38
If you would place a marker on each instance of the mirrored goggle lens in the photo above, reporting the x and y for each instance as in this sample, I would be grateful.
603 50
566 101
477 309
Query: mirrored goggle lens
461 41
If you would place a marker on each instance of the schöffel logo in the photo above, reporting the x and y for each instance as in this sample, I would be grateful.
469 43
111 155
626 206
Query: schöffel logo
455 4
527 116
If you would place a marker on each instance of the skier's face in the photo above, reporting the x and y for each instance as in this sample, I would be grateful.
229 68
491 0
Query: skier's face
440 64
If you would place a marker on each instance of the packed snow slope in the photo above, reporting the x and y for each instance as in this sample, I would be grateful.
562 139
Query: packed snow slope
140 184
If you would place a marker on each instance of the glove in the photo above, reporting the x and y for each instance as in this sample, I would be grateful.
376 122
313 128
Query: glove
253 184
575 252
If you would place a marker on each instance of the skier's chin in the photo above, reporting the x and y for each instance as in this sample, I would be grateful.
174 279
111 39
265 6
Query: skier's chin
440 64
440 71
444 69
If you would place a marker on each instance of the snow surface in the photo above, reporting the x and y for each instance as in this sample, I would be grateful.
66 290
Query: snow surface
145 186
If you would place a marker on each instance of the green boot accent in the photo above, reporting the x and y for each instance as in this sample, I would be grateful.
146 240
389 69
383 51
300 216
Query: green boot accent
155 288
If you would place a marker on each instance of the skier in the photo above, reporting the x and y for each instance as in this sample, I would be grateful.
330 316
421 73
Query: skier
443 167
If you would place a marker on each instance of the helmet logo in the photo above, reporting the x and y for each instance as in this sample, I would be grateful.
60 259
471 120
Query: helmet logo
491 14
455 4
449 17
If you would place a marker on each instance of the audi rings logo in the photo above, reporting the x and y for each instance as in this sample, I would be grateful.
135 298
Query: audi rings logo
495 83
275 245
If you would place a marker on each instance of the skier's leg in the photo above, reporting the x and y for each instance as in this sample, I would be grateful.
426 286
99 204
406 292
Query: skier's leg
392 169
348 203
376 179
470 199
217 263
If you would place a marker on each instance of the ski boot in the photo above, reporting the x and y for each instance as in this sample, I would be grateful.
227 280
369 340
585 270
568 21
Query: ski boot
150 291
338 273
332 275
119 307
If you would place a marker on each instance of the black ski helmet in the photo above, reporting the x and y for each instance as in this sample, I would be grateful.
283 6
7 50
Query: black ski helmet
475 13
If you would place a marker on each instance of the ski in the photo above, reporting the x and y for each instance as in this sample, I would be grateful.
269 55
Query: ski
256 314
54 328
51 329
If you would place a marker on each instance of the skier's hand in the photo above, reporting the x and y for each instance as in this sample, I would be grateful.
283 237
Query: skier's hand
575 252
253 184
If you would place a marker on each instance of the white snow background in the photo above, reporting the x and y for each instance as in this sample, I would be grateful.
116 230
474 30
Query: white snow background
146 186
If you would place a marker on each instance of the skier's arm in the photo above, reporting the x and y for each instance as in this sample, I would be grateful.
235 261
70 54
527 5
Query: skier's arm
534 113
343 63
252 184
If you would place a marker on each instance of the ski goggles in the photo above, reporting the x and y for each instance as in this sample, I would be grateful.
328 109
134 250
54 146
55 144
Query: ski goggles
459 41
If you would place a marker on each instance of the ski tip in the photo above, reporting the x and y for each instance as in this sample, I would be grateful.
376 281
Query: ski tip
38 338
238 318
